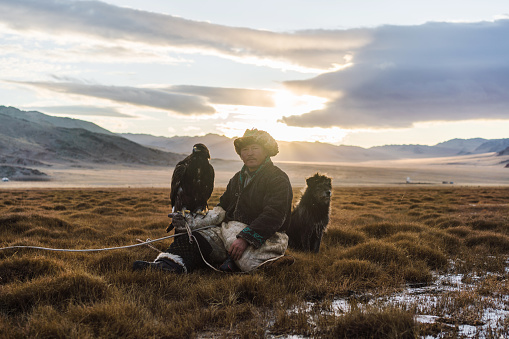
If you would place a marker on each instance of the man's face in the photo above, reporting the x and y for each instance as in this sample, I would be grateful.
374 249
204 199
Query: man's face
253 156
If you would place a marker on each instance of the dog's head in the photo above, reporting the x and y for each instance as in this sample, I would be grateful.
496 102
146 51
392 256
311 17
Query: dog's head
320 187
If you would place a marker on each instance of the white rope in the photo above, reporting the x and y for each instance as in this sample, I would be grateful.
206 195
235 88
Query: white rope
152 247
203 258
147 242
189 232
101 249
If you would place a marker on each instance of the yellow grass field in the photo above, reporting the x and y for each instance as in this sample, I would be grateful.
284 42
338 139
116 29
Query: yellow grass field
380 241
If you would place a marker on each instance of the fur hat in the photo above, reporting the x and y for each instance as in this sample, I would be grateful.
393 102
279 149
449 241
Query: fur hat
254 136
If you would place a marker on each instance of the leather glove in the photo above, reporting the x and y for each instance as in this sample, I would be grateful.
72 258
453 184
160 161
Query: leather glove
178 222
169 228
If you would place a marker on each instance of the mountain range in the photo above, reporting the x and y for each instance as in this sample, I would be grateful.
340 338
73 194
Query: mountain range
38 140
222 147
33 139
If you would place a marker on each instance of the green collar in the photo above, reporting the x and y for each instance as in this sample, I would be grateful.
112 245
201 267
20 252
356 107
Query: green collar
244 168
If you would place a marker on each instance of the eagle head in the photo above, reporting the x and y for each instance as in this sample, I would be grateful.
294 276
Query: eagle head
201 149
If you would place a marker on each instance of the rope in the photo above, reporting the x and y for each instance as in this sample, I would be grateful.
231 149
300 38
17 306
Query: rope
188 230
142 243
215 269
202 257
152 247
101 249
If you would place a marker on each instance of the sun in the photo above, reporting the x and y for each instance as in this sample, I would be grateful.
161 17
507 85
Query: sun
269 119
287 103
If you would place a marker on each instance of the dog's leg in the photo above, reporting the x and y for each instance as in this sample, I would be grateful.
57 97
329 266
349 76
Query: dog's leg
307 236
316 241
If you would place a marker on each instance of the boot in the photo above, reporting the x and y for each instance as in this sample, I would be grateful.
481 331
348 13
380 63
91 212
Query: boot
158 264
229 266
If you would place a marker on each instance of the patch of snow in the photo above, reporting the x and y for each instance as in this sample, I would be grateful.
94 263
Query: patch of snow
425 299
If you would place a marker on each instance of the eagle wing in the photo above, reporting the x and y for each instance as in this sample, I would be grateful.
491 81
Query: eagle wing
204 185
177 179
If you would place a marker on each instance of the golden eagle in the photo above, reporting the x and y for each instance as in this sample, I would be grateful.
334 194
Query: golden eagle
192 182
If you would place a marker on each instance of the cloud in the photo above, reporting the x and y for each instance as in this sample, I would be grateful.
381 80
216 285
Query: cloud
182 99
229 96
398 75
84 110
409 74
315 49
155 98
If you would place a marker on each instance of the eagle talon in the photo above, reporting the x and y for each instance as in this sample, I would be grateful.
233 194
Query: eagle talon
201 213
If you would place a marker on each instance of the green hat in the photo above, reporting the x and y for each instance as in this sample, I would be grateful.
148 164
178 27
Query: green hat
254 136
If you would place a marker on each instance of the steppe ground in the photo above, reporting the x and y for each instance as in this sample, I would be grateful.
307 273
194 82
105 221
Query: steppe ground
384 237
484 169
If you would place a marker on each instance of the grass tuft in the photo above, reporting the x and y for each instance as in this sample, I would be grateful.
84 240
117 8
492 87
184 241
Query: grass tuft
57 291
461 232
484 225
44 232
385 229
19 223
434 258
492 242
23 269
343 237
389 323
291 323
47 322
377 252
361 274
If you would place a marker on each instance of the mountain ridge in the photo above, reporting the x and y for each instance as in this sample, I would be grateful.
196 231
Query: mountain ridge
222 147
36 140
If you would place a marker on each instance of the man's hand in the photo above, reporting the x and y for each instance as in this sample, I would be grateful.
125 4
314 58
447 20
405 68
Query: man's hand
178 222
237 249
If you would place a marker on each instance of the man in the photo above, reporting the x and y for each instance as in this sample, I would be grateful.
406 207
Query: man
254 210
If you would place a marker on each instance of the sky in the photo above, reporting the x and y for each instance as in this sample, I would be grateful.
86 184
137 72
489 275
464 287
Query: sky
363 73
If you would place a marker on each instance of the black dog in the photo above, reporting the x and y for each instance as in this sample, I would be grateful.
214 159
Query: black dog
311 216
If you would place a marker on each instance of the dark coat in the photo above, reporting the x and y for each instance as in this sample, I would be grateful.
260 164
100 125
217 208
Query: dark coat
264 204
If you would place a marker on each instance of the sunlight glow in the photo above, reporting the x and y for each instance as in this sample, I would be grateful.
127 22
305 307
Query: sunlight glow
282 132
268 119
287 103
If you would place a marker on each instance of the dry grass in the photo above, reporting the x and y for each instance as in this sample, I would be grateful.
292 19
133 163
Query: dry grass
379 239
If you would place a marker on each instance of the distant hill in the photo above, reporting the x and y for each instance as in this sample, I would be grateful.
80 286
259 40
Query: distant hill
35 139
462 146
445 149
50 121
416 151
493 145
504 151
322 152
222 147
19 173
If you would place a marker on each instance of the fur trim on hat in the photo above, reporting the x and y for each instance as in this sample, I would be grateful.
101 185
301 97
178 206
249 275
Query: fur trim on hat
254 136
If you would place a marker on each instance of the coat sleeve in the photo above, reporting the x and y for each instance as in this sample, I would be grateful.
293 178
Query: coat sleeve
277 203
226 199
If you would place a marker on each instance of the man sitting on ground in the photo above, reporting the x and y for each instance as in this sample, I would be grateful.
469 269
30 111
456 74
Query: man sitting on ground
254 210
